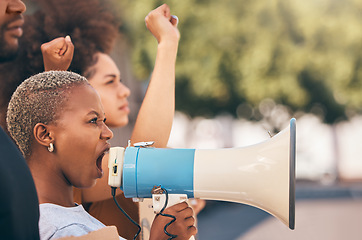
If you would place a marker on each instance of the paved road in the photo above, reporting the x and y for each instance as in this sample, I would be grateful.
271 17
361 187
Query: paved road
322 213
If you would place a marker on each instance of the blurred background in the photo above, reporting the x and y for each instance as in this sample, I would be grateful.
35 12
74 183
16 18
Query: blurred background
245 68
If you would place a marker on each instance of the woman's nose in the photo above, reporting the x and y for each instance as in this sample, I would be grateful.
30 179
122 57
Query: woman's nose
123 91
106 132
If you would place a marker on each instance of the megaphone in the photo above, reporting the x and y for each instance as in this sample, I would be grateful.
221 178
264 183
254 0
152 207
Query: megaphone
260 175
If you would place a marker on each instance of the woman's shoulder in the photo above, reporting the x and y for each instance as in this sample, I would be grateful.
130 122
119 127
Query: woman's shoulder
58 221
53 211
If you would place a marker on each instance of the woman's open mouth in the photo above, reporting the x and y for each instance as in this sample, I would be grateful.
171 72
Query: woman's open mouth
100 158
99 162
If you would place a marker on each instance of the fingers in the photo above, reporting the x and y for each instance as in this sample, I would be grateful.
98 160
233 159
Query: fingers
63 48
58 53
182 211
187 212
197 205
177 208
162 10
183 226
192 230
53 46
69 47
165 9
58 46
167 13
190 221
162 25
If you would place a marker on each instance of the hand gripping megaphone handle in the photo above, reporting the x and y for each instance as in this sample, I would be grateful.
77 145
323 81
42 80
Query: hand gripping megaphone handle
173 199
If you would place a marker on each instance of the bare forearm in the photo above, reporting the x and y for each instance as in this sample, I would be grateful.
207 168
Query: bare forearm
155 117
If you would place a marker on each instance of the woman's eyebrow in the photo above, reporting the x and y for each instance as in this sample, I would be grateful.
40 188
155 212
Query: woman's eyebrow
93 112
96 113
110 75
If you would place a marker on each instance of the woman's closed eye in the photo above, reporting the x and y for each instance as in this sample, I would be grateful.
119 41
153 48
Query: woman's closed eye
113 79
110 82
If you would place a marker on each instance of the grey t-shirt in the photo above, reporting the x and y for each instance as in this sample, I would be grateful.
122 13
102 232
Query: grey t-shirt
57 221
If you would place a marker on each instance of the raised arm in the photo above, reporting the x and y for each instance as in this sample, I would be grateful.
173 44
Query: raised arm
155 117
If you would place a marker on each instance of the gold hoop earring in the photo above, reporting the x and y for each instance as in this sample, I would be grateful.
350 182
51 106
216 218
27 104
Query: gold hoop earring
51 147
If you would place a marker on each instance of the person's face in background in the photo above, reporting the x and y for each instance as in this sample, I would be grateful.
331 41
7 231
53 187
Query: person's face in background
11 22
106 79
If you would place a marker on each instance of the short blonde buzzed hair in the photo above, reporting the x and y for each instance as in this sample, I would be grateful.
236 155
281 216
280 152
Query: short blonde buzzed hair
39 99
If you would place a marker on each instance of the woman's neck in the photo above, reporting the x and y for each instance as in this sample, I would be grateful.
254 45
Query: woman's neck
57 194
51 186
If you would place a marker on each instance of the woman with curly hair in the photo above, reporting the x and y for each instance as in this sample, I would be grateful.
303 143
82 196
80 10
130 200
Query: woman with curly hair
93 30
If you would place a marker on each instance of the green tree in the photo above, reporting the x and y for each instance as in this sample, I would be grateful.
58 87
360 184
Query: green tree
301 54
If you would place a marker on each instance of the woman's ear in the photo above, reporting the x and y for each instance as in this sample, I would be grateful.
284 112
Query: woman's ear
43 134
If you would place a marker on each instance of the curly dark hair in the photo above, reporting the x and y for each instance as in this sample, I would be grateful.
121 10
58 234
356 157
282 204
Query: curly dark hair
91 24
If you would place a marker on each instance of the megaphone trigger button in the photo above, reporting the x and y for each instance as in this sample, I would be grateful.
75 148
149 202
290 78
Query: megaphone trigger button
144 144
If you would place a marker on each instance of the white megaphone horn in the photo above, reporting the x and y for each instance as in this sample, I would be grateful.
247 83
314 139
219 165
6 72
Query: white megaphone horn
261 175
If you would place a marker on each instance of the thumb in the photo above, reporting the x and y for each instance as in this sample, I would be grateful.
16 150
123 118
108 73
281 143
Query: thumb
174 20
69 46
166 10
68 39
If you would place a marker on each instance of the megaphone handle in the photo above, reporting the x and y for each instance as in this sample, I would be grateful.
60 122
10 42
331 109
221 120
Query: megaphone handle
160 199
159 202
